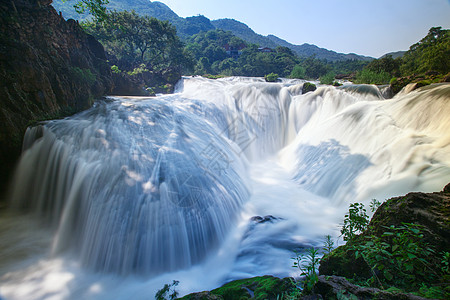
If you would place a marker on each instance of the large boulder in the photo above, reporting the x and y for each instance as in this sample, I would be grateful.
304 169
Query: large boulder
430 211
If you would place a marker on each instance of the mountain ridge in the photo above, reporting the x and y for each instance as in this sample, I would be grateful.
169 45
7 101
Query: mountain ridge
192 25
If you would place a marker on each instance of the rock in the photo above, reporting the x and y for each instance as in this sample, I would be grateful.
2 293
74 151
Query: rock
430 210
335 287
264 287
49 68
308 87
268 218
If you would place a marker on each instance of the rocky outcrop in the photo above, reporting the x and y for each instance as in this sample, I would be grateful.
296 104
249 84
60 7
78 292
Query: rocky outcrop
430 212
264 287
308 87
413 82
49 68
335 287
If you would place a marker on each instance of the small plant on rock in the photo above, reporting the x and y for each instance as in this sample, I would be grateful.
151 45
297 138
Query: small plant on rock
328 244
308 265
374 204
355 221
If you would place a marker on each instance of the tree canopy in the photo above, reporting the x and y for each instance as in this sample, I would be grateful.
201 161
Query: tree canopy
97 8
132 41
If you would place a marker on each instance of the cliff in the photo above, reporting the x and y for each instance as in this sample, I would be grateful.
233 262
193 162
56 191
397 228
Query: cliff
49 68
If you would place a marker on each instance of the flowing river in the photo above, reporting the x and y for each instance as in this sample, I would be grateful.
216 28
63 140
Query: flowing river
221 180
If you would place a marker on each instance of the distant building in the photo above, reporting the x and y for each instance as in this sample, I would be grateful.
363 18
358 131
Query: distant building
234 51
265 49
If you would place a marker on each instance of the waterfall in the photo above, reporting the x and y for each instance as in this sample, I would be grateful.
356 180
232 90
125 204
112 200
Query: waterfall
167 186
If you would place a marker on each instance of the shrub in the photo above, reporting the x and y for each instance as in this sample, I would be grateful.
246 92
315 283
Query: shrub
399 257
327 78
298 72
355 221
308 265
115 69
272 77
371 77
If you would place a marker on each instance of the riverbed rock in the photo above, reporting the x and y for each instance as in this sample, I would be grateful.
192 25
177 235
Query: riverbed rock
335 287
308 87
49 68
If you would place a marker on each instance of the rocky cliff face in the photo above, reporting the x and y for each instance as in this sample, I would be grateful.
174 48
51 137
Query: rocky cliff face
49 68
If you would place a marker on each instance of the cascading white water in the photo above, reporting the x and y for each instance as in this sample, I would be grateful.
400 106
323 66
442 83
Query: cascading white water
165 188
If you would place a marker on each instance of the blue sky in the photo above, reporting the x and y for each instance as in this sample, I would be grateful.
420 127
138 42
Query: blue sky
368 27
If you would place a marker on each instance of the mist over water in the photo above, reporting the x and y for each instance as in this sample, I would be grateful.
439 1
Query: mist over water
219 181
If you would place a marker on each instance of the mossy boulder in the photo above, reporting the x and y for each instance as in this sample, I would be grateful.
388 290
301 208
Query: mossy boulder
272 77
308 87
259 288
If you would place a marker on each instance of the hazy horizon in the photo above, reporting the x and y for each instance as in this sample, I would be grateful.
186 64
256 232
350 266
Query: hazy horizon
371 28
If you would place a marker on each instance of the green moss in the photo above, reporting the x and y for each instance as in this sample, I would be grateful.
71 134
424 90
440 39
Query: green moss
272 77
308 87
265 287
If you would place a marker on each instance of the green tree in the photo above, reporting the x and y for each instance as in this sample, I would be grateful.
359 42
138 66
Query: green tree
314 68
430 53
298 72
385 65
134 40
97 8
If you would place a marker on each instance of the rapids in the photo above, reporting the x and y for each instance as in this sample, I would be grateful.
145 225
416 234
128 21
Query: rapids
219 181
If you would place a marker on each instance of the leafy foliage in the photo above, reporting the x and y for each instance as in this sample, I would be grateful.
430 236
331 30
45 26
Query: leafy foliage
328 244
355 221
374 204
308 265
298 72
371 77
272 77
327 78
430 53
97 8
209 50
398 256
132 40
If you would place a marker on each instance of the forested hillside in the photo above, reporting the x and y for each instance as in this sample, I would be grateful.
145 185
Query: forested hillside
189 26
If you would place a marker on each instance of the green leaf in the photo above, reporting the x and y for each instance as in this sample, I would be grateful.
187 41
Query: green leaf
387 274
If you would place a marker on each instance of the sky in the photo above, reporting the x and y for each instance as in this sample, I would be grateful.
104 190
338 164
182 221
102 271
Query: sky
366 27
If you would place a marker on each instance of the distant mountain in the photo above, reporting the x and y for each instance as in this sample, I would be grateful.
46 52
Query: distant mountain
192 25
241 30
306 50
